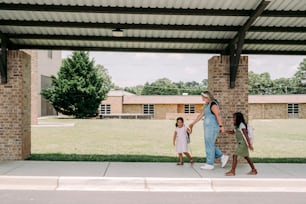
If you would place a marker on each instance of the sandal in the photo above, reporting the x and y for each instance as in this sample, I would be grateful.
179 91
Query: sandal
180 163
191 161
230 173
253 172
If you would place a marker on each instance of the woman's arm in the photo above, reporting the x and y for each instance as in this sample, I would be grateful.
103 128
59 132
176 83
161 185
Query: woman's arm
198 118
215 110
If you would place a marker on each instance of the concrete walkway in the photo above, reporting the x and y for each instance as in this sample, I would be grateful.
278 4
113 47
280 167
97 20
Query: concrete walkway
133 176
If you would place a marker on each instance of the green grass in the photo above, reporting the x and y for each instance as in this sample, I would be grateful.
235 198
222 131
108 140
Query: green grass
151 141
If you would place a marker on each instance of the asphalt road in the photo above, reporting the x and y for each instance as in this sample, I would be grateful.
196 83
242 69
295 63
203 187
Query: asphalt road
90 197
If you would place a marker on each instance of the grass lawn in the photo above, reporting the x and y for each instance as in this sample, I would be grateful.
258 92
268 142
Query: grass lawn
273 138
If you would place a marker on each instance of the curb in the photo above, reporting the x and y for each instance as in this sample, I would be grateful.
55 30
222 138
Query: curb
151 184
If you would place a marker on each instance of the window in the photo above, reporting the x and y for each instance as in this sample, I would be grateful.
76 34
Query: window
189 108
105 109
293 110
50 54
148 109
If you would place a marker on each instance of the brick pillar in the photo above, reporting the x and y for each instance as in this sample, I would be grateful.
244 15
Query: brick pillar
231 100
15 108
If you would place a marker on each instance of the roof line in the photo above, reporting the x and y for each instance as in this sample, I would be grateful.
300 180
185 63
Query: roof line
146 11
151 39
148 26
150 50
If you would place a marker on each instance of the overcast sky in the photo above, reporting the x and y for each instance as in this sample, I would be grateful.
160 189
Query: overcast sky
131 69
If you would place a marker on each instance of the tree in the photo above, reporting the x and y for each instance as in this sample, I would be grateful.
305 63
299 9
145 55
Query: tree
135 89
162 86
79 87
260 83
299 78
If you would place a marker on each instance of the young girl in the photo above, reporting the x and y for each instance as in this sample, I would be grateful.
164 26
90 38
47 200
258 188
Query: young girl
180 140
242 144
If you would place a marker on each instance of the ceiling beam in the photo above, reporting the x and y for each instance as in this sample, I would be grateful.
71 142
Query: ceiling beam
89 25
3 60
146 11
151 39
234 48
186 51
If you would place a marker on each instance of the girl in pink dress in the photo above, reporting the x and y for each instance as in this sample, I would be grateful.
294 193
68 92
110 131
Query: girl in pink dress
180 139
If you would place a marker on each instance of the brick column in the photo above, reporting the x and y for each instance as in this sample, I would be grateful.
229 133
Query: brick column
15 108
231 100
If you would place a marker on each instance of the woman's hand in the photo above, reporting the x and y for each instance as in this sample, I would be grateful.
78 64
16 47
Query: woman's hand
222 129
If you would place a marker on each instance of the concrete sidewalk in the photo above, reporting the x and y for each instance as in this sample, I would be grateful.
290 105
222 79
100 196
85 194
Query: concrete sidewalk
133 176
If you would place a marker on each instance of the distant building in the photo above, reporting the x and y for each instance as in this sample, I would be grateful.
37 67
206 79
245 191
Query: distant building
277 106
44 63
121 104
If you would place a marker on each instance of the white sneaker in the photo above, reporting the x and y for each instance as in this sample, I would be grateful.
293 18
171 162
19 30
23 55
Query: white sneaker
224 160
207 167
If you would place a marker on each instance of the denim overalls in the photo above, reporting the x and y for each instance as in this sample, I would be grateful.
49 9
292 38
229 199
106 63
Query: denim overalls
211 130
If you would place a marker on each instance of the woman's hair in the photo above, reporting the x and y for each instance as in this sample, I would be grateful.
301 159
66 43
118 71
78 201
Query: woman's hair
179 118
207 94
239 119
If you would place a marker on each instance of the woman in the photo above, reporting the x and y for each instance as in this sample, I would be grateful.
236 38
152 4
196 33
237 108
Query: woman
212 126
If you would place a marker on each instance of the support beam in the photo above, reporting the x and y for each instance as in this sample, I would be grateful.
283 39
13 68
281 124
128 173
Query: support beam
3 60
236 45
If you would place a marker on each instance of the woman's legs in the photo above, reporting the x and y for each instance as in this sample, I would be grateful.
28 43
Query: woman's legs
212 151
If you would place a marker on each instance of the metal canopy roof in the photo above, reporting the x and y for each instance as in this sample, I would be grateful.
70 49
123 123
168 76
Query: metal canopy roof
231 27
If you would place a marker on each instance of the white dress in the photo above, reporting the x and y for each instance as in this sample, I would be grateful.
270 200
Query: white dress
181 139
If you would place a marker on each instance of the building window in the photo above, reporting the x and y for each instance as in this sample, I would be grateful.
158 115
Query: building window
293 110
50 54
189 108
148 109
105 109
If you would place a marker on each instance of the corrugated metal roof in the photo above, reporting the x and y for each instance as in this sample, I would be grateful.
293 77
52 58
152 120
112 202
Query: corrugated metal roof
280 29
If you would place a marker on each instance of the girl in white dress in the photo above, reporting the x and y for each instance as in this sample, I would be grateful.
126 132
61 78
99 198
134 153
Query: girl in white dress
180 138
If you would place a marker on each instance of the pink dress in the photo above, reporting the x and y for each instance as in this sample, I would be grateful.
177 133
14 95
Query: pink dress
181 139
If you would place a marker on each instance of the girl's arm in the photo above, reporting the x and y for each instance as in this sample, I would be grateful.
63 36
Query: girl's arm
216 111
245 132
198 118
174 138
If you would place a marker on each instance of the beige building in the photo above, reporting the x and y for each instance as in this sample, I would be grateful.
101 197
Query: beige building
121 104
277 106
44 63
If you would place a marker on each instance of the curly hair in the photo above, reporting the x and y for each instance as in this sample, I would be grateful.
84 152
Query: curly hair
239 119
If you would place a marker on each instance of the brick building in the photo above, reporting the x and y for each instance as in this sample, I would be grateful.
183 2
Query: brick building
169 107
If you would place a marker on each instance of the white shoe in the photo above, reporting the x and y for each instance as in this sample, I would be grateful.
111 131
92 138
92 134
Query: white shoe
207 167
224 160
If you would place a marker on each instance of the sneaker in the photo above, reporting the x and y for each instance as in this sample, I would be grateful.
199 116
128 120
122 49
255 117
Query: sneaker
207 167
224 160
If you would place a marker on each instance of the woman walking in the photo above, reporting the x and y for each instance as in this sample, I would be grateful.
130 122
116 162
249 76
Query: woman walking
212 126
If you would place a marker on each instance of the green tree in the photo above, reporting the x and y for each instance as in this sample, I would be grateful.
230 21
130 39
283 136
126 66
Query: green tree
260 84
162 86
135 89
79 87
299 79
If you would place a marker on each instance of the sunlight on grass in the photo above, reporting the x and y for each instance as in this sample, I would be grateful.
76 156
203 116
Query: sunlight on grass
273 138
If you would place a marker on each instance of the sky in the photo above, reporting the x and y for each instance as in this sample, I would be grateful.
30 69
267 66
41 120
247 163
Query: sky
131 69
